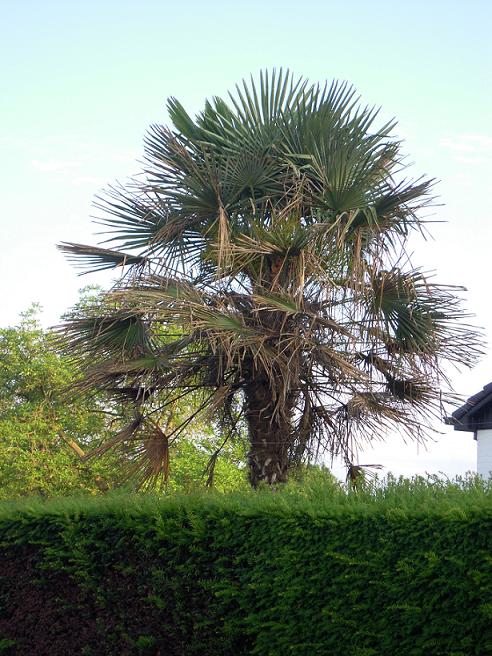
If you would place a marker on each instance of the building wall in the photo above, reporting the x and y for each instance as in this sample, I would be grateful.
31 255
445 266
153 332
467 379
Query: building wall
484 452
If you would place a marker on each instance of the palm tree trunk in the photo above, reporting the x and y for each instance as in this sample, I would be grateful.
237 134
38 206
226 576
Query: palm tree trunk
269 433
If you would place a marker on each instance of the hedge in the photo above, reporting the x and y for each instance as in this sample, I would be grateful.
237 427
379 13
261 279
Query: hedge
402 572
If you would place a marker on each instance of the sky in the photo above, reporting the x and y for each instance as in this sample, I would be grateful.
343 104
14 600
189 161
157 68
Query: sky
81 82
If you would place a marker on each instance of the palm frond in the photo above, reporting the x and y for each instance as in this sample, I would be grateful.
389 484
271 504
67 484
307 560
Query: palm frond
98 259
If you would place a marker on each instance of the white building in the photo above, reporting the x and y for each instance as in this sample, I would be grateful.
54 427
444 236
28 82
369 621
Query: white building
476 416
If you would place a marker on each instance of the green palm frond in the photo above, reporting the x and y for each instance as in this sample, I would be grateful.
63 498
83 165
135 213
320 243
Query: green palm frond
116 334
276 302
276 95
419 315
98 259
134 219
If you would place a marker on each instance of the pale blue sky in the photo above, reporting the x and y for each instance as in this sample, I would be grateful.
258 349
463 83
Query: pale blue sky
80 83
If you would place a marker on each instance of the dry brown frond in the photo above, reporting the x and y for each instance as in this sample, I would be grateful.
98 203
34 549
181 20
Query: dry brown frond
157 451
121 436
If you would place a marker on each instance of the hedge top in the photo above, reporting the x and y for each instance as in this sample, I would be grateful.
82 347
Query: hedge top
413 497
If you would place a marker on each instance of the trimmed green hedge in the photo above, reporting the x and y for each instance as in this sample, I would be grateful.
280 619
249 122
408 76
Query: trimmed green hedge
403 572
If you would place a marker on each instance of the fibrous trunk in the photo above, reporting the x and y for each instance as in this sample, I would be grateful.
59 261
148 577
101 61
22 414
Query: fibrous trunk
269 432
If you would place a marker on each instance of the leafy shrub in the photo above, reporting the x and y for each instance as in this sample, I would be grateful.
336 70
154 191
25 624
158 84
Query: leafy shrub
402 568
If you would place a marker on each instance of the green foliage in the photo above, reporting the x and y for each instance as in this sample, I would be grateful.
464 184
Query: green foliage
6 646
40 424
190 465
402 568
36 423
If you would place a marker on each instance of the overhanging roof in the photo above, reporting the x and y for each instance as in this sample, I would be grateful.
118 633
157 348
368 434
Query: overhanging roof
467 418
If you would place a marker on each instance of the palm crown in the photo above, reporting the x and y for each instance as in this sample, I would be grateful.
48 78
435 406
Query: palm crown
266 276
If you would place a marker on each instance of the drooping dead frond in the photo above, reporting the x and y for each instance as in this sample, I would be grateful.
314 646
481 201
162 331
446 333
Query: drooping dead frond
223 241
121 436
358 474
157 451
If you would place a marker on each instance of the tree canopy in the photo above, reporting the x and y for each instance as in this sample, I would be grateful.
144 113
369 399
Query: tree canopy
266 278
40 433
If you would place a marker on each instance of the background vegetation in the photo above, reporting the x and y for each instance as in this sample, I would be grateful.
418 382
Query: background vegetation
43 433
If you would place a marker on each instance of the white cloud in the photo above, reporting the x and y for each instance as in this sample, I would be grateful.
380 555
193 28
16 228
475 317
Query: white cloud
472 159
83 180
53 165
477 144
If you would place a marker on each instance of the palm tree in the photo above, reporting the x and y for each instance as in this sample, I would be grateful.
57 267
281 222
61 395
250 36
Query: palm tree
265 276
